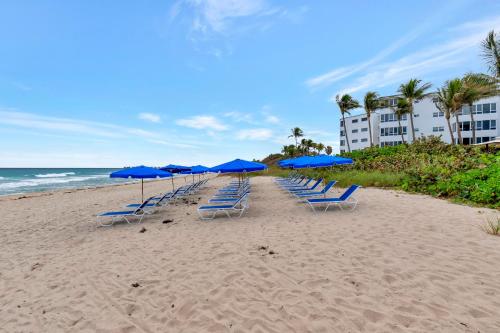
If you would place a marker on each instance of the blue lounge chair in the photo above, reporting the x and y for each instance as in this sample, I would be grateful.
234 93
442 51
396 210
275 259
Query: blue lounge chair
156 202
291 186
123 215
305 188
317 193
239 206
345 199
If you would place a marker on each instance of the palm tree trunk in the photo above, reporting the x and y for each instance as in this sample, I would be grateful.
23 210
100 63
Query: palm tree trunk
345 132
411 121
401 131
459 131
472 124
451 132
370 129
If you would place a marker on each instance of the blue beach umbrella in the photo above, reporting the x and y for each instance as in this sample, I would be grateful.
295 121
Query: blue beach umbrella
288 163
319 161
196 170
140 172
238 166
175 168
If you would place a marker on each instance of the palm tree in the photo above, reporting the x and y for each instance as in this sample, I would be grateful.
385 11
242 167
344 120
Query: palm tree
371 103
474 87
303 146
444 104
320 147
491 52
454 88
413 91
289 150
346 103
296 134
309 144
402 108
329 150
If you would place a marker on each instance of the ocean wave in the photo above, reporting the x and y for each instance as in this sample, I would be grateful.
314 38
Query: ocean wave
2 177
47 181
54 175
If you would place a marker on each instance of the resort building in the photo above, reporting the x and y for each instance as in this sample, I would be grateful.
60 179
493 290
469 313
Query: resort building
427 120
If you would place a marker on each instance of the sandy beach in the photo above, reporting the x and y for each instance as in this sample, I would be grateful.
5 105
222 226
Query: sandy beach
398 263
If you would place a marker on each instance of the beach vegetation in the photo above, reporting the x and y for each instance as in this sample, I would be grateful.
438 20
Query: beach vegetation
492 226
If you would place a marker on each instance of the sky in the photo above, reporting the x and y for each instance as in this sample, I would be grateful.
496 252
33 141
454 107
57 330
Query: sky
116 83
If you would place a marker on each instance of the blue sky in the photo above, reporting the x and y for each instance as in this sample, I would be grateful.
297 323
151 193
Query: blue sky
113 83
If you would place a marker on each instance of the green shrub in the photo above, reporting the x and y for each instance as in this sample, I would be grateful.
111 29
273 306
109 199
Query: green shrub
464 173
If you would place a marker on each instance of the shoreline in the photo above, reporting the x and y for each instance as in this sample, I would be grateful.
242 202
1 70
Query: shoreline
24 195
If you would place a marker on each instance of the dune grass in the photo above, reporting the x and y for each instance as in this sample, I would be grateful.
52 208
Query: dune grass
344 178
492 227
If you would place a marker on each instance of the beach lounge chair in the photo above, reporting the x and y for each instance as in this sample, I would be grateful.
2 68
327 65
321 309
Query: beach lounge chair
208 212
156 202
345 199
305 188
290 186
295 179
317 193
229 198
123 215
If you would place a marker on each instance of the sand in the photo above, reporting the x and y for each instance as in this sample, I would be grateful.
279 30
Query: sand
398 263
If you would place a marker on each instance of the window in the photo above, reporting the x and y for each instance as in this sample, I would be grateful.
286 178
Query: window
355 141
486 125
354 121
364 140
342 142
438 114
465 126
364 129
416 115
486 108
342 151
355 131
388 117
438 129
493 107
389 131
342 133
341 123
364 119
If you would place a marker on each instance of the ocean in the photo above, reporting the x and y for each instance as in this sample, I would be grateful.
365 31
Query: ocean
26 180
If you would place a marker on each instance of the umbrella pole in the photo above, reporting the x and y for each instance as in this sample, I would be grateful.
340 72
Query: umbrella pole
193 177
173 188
142 189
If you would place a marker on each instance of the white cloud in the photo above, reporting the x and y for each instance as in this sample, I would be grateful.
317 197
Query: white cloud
271 119
202 122
237 116
259 134
217 15
458 50
347 71
90 129
268 117
154 118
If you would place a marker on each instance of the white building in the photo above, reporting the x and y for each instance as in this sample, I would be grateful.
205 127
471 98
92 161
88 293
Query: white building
427 120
